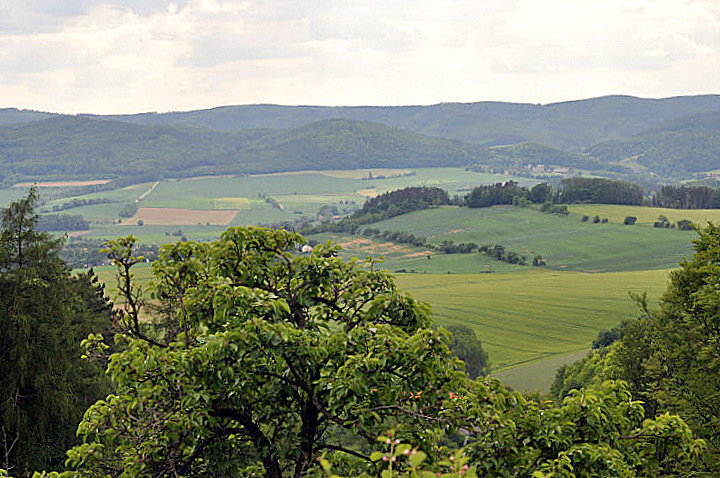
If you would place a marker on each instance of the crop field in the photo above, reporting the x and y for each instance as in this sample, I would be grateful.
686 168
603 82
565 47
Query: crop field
261 199
530 316
565 241
158 216
530 322
645 215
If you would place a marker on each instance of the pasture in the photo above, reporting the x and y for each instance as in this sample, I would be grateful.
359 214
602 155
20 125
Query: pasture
565 241
259 199
530 322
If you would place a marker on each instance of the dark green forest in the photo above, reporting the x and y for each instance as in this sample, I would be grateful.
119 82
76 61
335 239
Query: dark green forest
623 137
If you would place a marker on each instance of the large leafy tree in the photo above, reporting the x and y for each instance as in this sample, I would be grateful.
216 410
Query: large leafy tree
44 314
670 357
268 358
256 359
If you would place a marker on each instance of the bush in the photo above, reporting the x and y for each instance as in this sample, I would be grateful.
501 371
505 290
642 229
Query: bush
629 220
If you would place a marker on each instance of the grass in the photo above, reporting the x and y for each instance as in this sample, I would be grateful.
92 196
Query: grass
301 195
405 258
533 315
565 241
537 376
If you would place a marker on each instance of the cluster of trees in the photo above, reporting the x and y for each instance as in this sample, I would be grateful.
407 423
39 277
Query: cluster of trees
595 220
687 197
62 222
599 190
402 201
77 202
128 210
384 206
258 361
669 356
572 190
449 247
499 252
551 208
270 200
664 222
397 236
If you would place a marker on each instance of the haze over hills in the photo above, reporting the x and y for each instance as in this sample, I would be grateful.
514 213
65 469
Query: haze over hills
672 138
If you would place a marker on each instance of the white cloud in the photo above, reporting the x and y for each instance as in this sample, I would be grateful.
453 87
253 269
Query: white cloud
121 56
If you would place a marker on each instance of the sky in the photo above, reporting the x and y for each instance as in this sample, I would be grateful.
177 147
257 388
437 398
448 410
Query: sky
126 56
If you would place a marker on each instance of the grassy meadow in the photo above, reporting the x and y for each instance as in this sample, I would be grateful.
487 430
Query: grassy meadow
533 315
645 215
565 241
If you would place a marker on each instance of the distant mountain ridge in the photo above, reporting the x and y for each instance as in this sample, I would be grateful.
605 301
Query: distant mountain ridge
80 147
672 137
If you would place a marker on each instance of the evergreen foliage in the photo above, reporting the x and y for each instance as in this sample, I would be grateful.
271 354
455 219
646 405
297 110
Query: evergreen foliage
600 190
44 315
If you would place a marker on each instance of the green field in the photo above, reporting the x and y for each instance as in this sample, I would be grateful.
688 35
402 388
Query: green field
534 315
530 320
300 195
565 241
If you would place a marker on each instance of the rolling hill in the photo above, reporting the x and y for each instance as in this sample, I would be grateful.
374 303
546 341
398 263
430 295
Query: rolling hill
57 146
673 138
688 145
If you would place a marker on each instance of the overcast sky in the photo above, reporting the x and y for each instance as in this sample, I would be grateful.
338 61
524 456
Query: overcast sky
111 56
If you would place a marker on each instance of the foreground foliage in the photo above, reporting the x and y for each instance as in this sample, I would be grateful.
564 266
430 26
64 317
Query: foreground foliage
670 357
262 361
44 314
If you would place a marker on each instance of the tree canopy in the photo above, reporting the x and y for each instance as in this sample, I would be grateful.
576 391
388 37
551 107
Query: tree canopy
257 360
44 315
670 356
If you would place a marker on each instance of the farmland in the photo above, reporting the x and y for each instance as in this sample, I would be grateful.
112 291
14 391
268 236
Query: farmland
530 320
566 242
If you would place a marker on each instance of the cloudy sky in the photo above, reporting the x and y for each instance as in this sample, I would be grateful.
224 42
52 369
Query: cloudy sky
111 56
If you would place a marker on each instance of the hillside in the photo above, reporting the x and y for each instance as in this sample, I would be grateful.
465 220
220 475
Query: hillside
688 145
55 147
671 138
9 116
573 124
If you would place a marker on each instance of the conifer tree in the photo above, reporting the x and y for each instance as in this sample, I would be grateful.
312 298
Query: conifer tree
45 312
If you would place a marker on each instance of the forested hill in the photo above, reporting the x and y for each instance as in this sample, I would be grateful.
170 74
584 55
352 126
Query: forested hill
78 147
567 125
573 124
623 136
676 148
10 116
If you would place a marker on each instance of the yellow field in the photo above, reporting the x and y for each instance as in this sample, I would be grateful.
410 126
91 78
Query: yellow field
345 174
167 216
645 215
62 184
